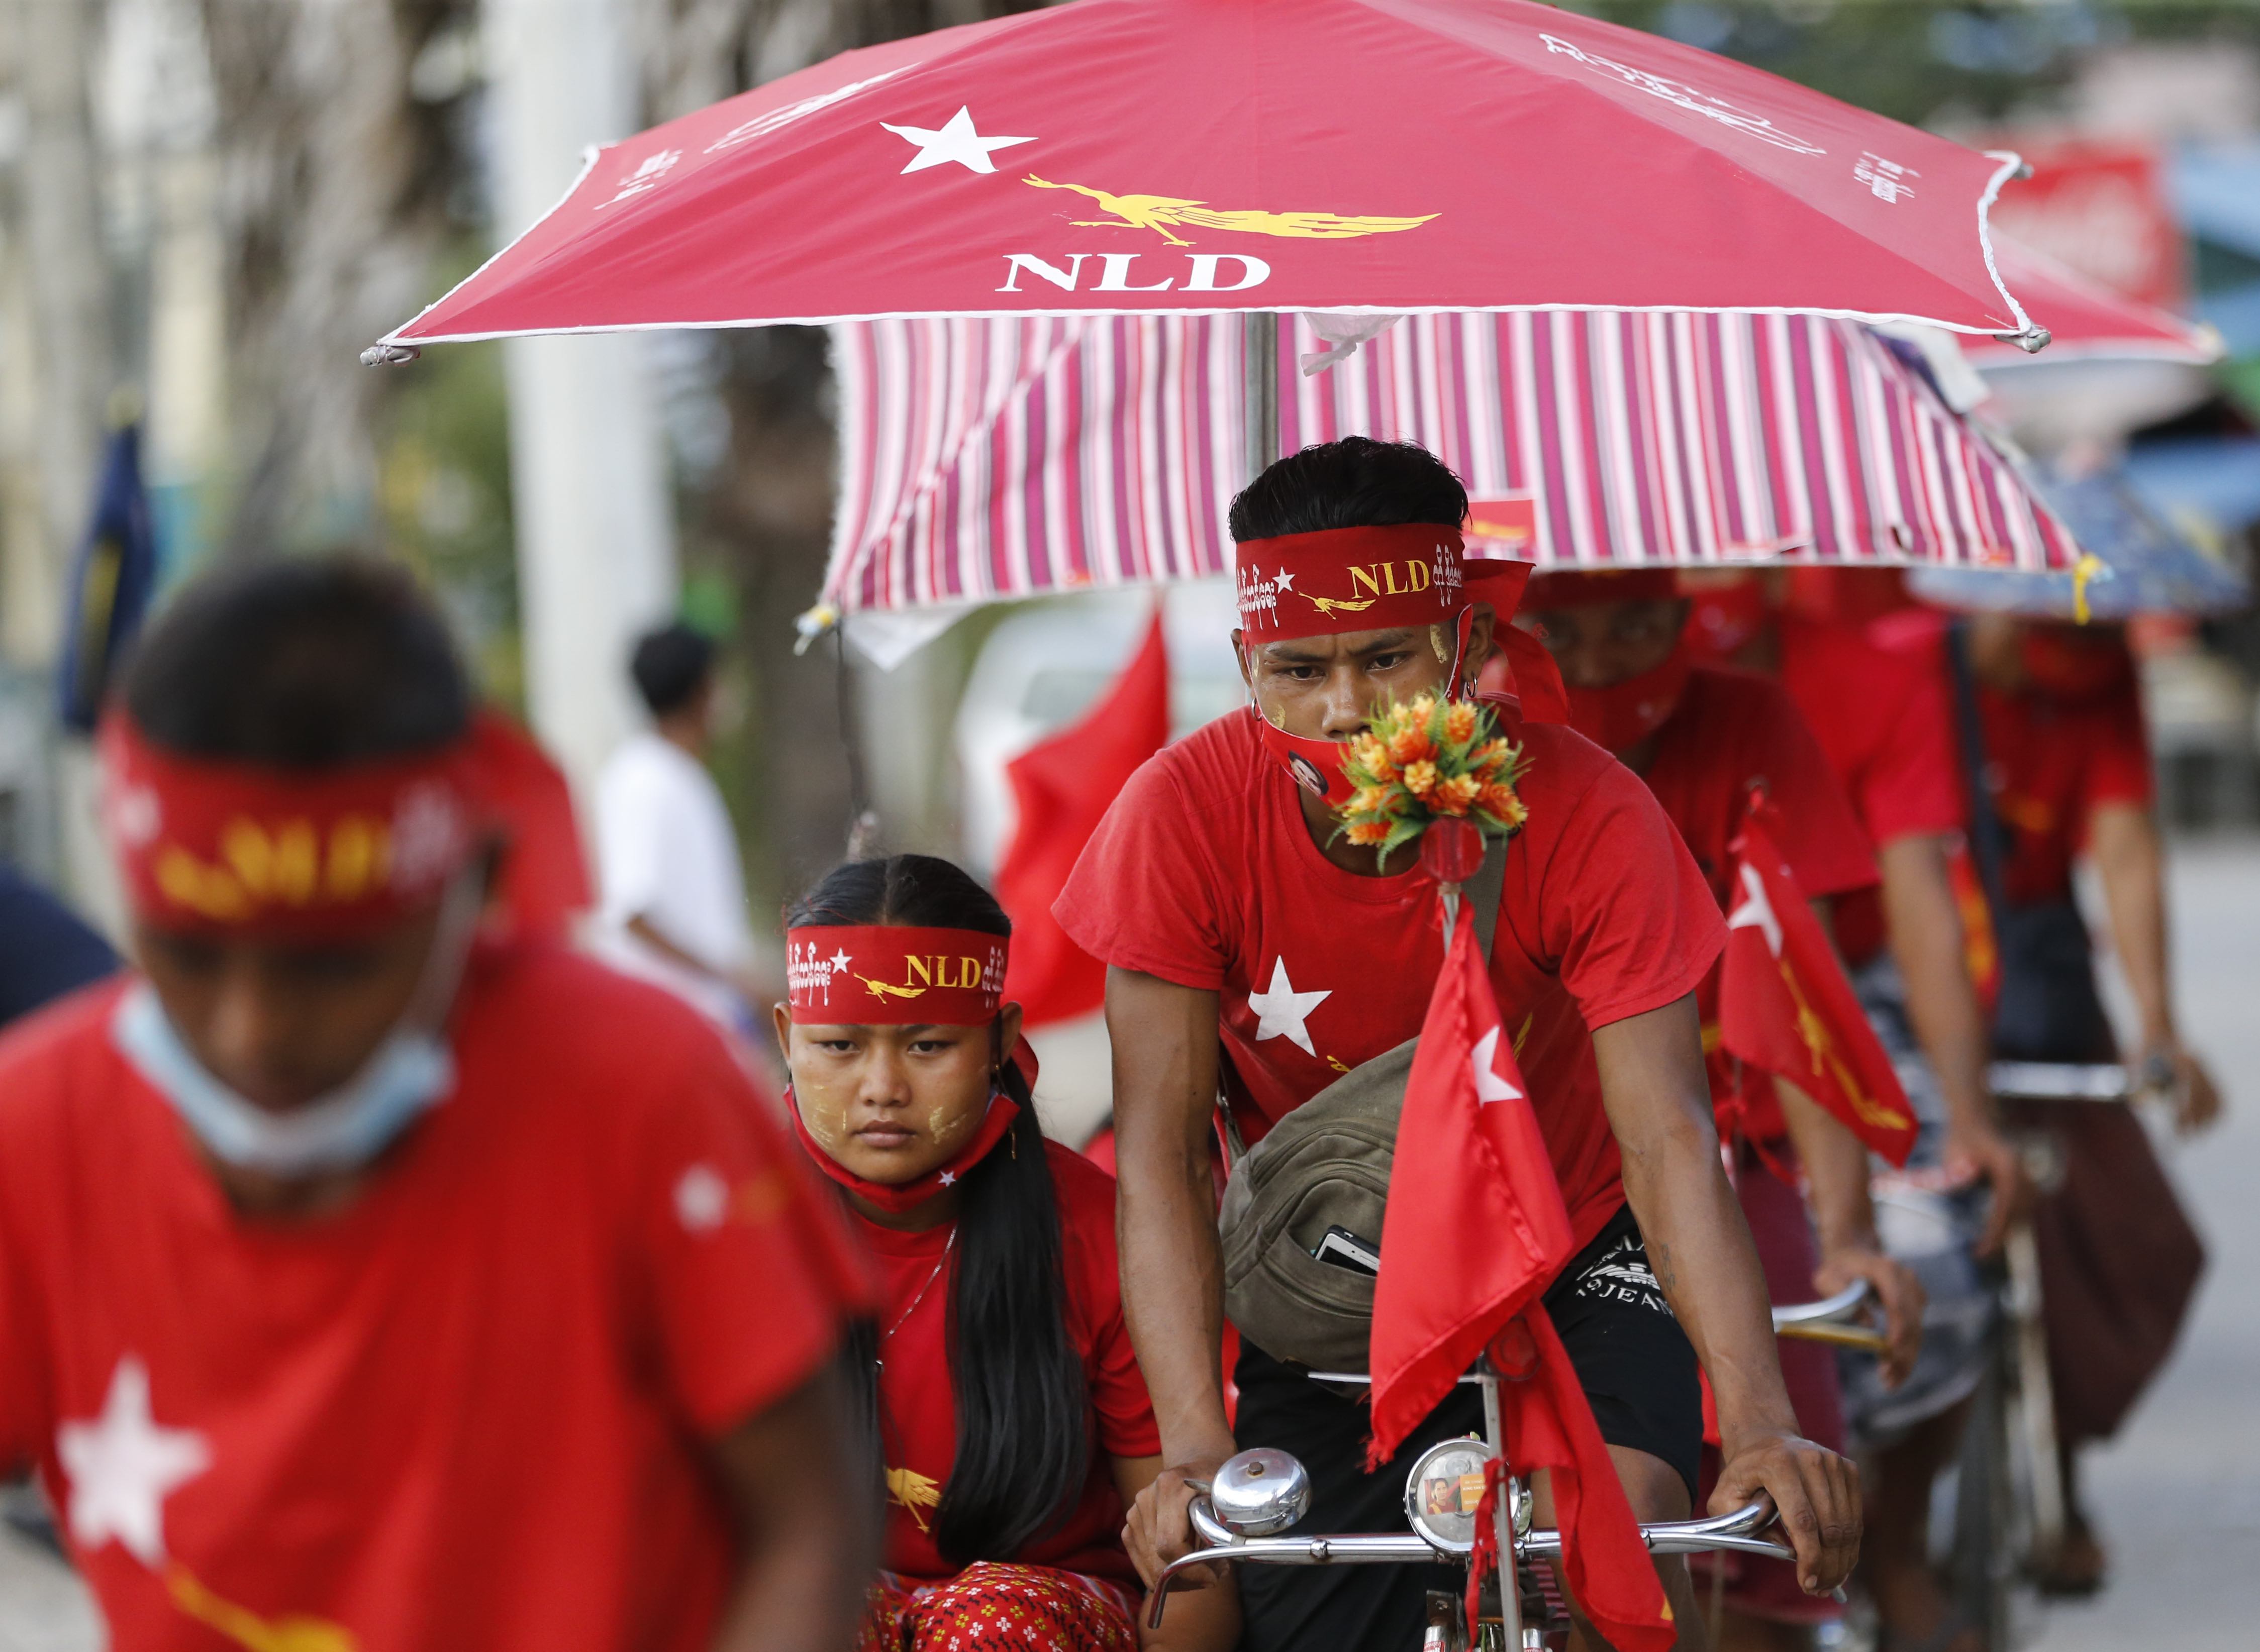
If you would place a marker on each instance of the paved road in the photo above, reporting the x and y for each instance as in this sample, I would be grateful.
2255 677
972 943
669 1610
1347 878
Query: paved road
2179 1496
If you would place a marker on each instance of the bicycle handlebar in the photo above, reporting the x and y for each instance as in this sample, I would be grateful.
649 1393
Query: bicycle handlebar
2064 1080
1833 1320
1737 1531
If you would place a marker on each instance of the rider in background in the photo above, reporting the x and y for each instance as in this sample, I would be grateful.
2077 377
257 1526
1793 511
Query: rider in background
2066 767
1702 737
1254 954
370 1277
1005 1401
1866 671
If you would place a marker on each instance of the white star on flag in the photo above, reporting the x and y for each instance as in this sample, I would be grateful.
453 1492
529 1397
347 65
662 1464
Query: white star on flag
1756 911
956 141
122 1467
1280 1009
1488 1085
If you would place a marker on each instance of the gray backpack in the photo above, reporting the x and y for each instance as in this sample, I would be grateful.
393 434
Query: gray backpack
1325 1165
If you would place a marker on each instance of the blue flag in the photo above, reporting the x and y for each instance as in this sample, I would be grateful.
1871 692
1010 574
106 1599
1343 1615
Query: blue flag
110 584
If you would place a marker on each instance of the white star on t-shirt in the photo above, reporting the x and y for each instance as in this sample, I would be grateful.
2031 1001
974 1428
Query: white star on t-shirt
702 1199
1279 1009
955 140
122 1467
1488 1085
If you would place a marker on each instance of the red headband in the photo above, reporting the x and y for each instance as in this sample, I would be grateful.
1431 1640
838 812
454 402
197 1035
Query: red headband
320 855
1363 579
1577 587
888 975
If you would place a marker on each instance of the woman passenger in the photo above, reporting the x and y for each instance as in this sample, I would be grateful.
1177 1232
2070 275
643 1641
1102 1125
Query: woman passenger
1009 1416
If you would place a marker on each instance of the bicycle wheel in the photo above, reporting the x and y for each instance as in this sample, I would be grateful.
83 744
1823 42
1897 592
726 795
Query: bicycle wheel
1984 1554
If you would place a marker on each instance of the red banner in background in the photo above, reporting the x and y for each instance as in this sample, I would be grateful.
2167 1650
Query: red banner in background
2103 209
1062 786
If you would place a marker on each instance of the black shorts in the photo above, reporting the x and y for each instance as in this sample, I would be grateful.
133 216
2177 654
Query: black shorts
1634 1361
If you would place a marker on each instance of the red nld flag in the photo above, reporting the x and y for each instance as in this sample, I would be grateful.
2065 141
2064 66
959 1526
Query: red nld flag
1785 1008
1476 1227
1062 786
1480 1230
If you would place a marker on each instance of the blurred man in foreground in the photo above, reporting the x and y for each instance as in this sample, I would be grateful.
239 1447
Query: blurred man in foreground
367 1285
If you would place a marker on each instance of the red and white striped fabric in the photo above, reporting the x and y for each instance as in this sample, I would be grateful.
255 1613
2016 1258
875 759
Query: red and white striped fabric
992 459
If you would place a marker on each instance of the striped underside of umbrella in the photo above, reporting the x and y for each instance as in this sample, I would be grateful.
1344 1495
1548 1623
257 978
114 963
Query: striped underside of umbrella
995 459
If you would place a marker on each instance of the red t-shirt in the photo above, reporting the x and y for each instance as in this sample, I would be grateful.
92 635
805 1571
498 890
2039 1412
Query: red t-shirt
466 1410
1731 729
1876 696
2049 764
917 1402
1204 874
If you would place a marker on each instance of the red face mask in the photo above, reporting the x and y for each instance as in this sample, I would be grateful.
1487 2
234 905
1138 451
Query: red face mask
2068 669
1623 714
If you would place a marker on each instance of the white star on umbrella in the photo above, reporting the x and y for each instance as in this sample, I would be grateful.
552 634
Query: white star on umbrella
956 141
1488 1085
1280 1009
122 1467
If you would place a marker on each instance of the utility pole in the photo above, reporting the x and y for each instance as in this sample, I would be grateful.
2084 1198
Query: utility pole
595 541
69 291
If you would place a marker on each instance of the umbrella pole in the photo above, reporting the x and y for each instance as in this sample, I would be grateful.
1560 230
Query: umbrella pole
1259 389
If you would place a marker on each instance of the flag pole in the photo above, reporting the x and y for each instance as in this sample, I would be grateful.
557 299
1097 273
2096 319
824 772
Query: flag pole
1259 390
1510 1587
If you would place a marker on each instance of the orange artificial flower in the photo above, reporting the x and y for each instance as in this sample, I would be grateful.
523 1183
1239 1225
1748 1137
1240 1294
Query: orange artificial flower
1460 723
1421 778
1503 804
1452 796
1412 745
1367 833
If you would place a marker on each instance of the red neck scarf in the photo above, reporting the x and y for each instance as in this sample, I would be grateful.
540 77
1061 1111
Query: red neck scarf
899 1198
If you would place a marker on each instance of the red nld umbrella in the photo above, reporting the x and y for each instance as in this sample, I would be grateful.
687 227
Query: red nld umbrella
1192 155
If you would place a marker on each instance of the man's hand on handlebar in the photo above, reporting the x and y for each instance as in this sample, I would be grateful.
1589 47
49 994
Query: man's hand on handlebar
1160 1526
1815 1492
1976 1151
1897 1290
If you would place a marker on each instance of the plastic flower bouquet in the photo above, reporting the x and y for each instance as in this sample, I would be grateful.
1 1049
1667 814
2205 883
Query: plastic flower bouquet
1429 759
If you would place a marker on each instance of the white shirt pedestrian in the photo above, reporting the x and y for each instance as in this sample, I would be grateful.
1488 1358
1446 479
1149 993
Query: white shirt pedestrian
666 853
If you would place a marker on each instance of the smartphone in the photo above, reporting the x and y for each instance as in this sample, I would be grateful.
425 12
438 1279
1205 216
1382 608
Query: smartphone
1346 1249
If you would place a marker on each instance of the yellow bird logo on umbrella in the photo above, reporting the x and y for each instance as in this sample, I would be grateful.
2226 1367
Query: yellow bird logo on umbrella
1160 212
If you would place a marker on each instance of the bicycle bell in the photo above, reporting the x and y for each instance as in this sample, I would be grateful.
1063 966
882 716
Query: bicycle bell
1260 1493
